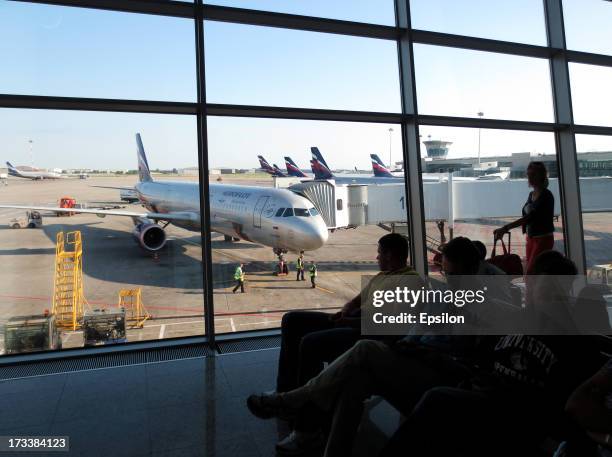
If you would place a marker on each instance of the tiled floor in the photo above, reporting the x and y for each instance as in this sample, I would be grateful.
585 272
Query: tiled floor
185 408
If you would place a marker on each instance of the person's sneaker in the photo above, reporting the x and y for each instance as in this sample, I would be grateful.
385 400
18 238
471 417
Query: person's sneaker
268 405
300 443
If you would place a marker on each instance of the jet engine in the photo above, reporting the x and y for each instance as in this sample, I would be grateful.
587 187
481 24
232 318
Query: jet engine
149 235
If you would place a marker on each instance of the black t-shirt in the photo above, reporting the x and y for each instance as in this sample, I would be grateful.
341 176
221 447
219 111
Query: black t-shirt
539 214
551 366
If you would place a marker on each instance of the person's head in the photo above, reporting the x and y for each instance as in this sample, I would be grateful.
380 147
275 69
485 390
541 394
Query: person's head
460 257
481 248
537 175
392 252
553 263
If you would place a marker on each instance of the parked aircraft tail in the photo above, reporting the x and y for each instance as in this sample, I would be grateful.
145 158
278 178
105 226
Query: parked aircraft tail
278 172
378 167
293 169
319 167
144 173
263 163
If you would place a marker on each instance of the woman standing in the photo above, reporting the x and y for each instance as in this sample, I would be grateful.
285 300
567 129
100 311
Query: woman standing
538 213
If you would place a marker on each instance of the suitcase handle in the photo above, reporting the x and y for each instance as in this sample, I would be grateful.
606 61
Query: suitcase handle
506 250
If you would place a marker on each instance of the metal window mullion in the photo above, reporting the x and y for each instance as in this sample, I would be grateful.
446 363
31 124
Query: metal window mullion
411 144
202 132
565 140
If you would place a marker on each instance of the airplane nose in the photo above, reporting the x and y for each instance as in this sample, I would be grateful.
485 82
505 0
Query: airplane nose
316 234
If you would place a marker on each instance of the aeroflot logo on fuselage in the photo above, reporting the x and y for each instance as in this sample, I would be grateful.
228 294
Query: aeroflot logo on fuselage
235 194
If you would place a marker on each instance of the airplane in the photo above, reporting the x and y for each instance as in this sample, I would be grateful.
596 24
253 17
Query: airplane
274 171
293 170
34 174
322 171
278 171
379 169
277 218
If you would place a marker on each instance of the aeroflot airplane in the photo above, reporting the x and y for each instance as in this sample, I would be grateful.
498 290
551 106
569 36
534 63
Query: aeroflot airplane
322 171
34 174
272 170
293 170
277 218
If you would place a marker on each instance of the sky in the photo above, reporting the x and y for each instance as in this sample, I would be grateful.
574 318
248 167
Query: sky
52 50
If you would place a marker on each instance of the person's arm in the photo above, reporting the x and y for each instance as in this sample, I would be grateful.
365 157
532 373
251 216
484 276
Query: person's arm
506 228
587 404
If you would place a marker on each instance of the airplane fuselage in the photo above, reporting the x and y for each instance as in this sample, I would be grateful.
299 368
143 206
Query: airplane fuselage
245 212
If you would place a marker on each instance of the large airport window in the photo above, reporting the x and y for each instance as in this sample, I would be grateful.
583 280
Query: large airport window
370 11
591 94
475 181
595 171
457 82
275 67
339 239
79 52
587 25
519 20
100 229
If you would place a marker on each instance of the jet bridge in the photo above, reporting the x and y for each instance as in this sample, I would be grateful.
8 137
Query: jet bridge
352 205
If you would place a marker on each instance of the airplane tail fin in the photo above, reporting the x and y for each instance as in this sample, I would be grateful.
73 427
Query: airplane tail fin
278 172
293 169
263 163
144 173
12 170
319 167
378 167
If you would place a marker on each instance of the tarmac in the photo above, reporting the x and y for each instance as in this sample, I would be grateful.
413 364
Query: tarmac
171 284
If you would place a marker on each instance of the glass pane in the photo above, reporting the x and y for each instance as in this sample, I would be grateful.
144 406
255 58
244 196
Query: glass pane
595 165
78 52
251 65
486 193
244 205
519 20
591 94
457 82
371 11
587 25
88 161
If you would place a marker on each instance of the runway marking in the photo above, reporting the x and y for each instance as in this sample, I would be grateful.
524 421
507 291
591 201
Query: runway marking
186 241
325 290
258 323
232 324
162 329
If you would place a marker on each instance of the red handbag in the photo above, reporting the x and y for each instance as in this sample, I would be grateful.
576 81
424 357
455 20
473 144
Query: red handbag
511 264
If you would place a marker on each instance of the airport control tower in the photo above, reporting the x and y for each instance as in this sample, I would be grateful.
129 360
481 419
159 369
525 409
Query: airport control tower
437 149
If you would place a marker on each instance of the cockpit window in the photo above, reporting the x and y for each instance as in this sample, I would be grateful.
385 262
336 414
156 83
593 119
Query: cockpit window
313 212
301 212
279 213
288 212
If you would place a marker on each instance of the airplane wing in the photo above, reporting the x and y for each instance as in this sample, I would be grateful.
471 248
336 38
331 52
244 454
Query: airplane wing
177 216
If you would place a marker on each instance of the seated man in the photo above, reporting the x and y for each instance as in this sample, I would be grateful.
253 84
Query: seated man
486 268
506 410
401 372
311 338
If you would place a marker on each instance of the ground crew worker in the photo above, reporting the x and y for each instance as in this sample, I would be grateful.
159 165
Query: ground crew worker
312 270
239 278
300 267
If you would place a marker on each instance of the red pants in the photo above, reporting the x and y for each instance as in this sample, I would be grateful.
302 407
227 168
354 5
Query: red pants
536 246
